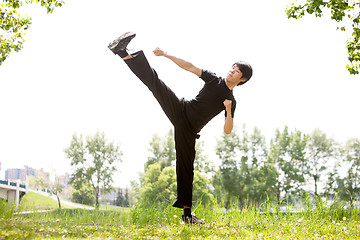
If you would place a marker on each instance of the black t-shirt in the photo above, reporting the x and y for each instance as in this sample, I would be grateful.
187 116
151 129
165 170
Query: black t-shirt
209 101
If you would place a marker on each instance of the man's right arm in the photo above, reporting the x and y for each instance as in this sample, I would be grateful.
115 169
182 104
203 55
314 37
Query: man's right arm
180 62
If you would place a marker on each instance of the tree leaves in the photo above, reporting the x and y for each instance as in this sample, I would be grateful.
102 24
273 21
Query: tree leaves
339 11
93 162
14 25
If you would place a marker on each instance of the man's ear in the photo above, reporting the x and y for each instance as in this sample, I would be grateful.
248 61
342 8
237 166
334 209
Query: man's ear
243 79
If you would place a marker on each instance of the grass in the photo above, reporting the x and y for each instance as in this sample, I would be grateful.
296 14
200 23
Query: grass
163 222
34 201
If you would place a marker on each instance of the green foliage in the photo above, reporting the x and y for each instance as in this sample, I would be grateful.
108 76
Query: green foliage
84 195
158 185
93 162
78 216
229 176
122 200
201 191
320 149
13 25
202 163
162 150
287 153
245 172
6 209
340 11
350 187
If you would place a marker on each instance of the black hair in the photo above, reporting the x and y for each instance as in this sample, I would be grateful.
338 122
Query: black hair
245 69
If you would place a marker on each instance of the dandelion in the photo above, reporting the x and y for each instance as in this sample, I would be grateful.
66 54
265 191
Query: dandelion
344 218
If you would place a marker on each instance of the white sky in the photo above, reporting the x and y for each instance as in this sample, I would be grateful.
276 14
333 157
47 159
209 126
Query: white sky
65 80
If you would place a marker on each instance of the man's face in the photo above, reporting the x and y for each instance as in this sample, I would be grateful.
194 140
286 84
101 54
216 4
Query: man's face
234 75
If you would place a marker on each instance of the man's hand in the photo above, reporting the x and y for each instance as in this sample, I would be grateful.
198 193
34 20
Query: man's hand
178 61
158 52
228 126
227 104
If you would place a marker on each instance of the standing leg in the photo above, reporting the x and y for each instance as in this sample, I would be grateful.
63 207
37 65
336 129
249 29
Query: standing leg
185 155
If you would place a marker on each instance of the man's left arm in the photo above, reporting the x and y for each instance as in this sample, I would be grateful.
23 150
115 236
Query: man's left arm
228 126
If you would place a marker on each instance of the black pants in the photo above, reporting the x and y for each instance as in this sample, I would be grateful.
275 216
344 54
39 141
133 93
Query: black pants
185 135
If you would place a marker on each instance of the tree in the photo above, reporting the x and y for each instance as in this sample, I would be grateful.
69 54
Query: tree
228 176
162 150
201 191
320 149
56 189
93 162
352 180
262 171
119 201
245 171
332 183
158 185
122 200
202 164
13 25
340 10
84 194
287 153
127 199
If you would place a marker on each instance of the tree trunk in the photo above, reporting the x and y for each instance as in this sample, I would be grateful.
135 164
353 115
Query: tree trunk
227 204
58 201
241 202
97 198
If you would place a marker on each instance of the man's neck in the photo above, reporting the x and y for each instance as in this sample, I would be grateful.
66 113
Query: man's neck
230 85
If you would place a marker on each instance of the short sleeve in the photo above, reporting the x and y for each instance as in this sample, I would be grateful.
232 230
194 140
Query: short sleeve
207 76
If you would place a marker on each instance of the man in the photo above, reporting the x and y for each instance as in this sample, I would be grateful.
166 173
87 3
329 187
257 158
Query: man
187 117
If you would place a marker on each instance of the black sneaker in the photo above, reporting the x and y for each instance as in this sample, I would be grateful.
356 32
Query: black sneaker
191 219
121 42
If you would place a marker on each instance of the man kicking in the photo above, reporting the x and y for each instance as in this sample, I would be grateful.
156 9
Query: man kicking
187 116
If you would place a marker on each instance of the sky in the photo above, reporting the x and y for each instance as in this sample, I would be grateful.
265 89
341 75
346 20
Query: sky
65 80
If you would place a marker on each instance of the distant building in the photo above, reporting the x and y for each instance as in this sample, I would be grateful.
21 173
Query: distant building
14 174
19 174
30 171
44 175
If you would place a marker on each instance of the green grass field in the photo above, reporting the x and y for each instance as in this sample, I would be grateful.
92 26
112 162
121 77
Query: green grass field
163 222
34 201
